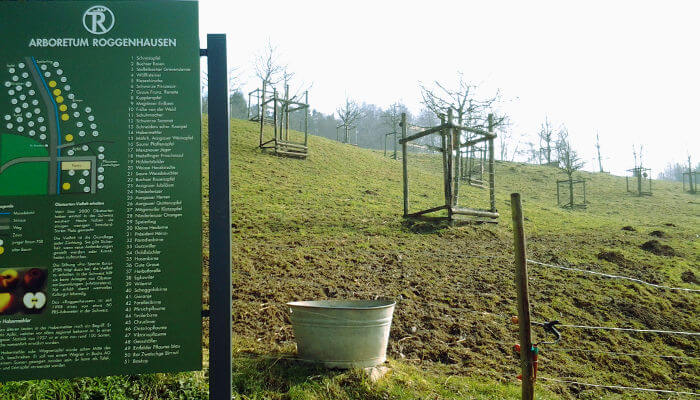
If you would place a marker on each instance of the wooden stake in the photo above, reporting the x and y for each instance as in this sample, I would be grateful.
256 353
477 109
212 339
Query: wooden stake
404 128
526 353
492 171
558 197
450 200
691 186
306 119
261 110
274 112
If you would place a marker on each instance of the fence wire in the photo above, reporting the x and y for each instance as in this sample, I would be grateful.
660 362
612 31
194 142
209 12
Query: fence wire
614 328
617 353
612 276
639 389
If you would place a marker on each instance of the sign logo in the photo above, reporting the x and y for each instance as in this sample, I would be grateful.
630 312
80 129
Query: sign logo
98 20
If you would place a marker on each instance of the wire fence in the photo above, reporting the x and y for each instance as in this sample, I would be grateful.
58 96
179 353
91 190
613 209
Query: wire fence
618 387
620 354
612 276
620 329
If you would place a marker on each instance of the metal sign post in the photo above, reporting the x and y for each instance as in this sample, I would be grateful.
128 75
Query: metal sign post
220 322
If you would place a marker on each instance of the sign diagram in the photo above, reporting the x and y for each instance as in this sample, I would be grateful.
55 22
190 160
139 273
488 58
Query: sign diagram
50 142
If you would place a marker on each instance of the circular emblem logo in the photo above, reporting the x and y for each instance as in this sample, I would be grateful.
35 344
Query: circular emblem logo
98 20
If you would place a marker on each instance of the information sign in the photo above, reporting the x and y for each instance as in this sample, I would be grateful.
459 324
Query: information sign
100 188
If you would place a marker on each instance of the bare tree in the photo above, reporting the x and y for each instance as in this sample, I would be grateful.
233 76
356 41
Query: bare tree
546 137
268 66
509 145
470 110
569 160
234 81
532 153
600 159
392 116
637 153
691 175
348 114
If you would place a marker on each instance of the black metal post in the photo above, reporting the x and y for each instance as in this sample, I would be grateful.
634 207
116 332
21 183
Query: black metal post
220 324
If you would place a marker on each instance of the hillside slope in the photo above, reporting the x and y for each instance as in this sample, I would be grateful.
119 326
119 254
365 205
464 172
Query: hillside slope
331 227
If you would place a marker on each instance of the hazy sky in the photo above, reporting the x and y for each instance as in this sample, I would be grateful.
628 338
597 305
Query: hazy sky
629 70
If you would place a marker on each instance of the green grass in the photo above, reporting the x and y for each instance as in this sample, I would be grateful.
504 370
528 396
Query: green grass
331 227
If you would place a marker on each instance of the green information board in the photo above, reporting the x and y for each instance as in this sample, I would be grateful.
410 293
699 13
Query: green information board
100 188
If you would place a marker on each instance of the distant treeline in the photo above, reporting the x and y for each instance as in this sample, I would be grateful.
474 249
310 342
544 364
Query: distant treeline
674 171
371 129
375 122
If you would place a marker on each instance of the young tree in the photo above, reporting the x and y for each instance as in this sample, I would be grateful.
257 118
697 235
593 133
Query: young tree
546 137
600 159
348 114
569 161
691 176
470 110
268 67
509 145
391 117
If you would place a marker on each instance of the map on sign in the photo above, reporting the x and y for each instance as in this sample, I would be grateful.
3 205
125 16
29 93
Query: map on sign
50 143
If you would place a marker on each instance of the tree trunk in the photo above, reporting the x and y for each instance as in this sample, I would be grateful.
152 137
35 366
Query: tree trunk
571 191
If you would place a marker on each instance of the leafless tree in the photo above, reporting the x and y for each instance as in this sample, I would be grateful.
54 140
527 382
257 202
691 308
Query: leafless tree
470 110
234 81
348 114
637 153
392 116
546 137
569 160
600 158
691 175
509 144
268 66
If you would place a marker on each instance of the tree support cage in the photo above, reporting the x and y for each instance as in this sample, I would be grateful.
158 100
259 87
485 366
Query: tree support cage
566 193
639 181
276 110
692 179
452 146
394 137
346 129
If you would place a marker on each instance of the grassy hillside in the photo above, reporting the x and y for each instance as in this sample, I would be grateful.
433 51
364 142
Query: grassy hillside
331 227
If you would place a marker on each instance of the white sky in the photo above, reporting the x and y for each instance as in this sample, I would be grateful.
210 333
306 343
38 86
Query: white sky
627 69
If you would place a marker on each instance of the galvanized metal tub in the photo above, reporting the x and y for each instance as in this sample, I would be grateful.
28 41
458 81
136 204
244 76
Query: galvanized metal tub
342 333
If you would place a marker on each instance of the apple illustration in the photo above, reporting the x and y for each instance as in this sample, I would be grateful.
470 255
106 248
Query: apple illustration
34 278
7 302
34 301
8 279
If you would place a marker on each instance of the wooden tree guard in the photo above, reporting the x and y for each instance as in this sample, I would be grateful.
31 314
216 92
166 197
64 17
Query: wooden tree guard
451 146
692 178
281 109
571 201
255 106
473 165
346 133
641 181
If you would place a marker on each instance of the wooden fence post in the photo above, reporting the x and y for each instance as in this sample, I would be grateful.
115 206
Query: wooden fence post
404 130
492 171
262 112
306 118
526 353
449 182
